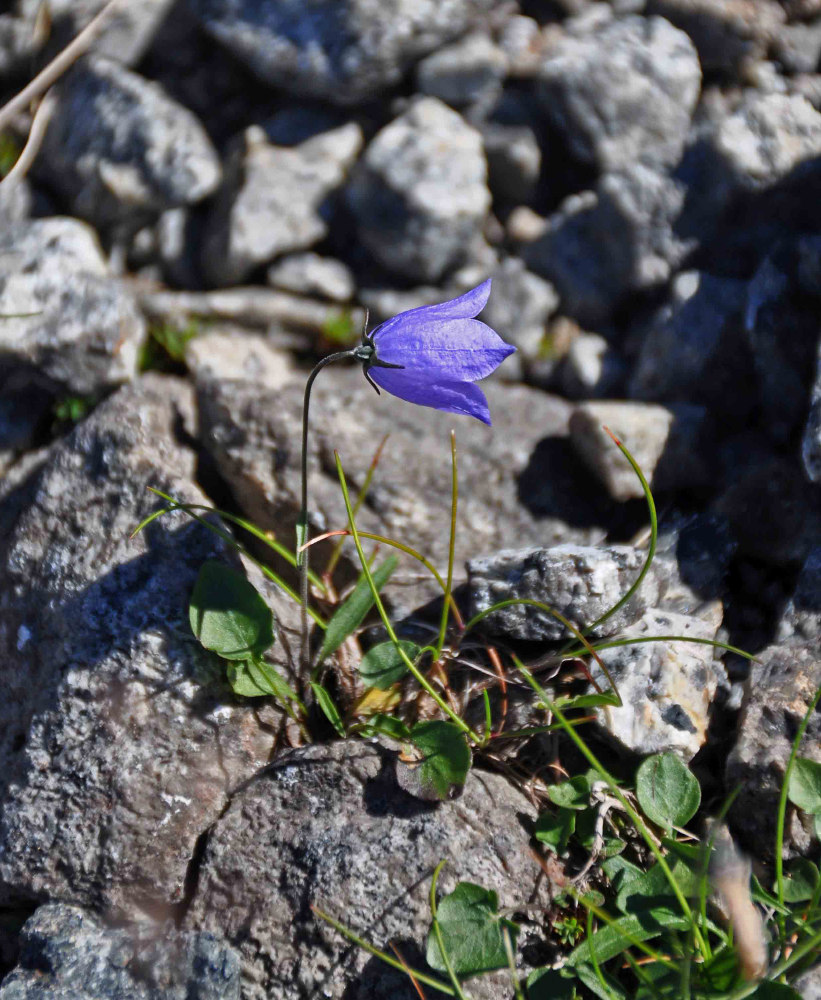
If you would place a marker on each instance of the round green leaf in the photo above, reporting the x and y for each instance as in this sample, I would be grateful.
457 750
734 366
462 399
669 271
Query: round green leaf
228 616
444 758
805 785
572 794
667 791
555 828
382 666
471 931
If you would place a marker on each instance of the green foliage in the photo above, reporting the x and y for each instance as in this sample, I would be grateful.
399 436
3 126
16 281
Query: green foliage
228 616
339 329
10 149
667 790
164 349
72 409
383 665
443 758
328 706
549 984
471 931
350 615
805 785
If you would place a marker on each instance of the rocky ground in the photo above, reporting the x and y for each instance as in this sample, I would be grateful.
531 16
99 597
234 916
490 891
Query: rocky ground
223 187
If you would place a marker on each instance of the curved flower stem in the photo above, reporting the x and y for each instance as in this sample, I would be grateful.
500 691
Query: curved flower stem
302 522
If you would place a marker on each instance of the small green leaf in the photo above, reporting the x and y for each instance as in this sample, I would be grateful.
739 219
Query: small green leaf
667 791
382 666
350 615
801 881
556 828
471 931
720 973
619 935
445 758
573 794
606 698
326 703
805 785
227 614
609 990
549 984
242 681
385 725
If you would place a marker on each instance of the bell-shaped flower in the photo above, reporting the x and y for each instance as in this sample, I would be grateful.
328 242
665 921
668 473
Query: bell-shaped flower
433 355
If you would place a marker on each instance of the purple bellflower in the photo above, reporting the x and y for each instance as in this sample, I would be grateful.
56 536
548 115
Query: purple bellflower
433 355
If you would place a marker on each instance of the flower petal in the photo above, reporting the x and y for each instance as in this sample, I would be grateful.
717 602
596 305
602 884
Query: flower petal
464 307
461 349
451 396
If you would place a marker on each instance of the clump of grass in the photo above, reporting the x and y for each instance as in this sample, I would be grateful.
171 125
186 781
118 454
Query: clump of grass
641 917
164 348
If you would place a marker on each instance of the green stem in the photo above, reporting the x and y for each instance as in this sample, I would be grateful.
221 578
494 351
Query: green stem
380 607
454 502
302 521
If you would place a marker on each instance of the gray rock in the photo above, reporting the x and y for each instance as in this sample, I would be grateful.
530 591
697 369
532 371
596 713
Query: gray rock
808 86
798 47
64 319
176 246
331 825
68 953
15 201
237 354
809 985
519 307
514 161
272 199
783 328
592 369
695 552
811 441
736 155
120 741
519 480
347 53
802 616
667 687
666 442
129 30
468 73
623 92
118 147
18 44
600 246
783 680
728 34
310 274
522 41
581 582
694 349
773 515
419 195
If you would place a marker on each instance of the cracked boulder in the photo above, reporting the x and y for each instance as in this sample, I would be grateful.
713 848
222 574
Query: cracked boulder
330 826
581 582
65 321
66 951
120 741
118 148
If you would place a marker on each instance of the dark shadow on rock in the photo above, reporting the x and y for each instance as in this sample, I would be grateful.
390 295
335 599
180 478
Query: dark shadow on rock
378 981
383 795
556 483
